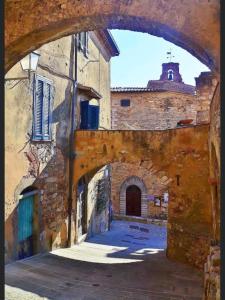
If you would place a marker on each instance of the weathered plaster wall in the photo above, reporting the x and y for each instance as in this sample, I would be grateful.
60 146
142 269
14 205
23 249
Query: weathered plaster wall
41 164
94 71
182 152
45 164
195 26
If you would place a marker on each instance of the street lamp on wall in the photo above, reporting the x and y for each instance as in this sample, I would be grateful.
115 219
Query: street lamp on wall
28 64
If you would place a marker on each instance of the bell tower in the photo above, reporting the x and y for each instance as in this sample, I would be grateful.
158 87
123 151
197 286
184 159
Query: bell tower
170 72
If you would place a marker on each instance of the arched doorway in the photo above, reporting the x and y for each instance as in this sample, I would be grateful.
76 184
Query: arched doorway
133 201
129 189
28 223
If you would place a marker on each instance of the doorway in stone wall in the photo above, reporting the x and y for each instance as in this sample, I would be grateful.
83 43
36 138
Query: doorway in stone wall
28 223
133 201
82 209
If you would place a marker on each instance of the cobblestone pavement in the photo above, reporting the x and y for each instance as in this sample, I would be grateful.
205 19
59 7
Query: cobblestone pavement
128 262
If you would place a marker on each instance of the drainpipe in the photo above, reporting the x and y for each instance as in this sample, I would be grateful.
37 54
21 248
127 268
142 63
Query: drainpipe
71 143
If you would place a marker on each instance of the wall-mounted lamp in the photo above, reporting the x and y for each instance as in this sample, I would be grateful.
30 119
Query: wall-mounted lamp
28 64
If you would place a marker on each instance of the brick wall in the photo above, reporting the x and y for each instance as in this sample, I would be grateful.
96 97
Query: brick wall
156 110
155 182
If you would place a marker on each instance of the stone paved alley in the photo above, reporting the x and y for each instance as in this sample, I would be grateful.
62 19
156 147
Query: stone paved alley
128 262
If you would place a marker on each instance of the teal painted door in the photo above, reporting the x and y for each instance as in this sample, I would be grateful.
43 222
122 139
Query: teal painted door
25 227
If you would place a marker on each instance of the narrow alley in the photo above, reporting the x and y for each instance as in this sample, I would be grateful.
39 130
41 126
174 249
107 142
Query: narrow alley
112 265
112 150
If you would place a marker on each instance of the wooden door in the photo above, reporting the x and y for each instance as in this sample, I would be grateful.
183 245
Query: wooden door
25 227
133 201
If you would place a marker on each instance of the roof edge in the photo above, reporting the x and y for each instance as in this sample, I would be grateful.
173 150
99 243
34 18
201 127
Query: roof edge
106 34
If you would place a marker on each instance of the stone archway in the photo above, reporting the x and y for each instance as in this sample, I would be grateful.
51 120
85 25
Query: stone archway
134 180
194 26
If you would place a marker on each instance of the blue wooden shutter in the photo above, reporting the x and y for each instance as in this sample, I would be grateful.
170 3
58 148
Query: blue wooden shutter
38 110
84 114
43 98
93 117
46 111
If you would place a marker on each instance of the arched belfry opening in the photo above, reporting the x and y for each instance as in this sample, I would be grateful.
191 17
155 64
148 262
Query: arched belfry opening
170 75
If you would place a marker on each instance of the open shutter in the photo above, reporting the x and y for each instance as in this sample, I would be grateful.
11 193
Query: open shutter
84 114
93 117
38 110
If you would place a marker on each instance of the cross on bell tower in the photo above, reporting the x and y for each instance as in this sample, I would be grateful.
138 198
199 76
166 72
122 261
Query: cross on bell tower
169 55
170 70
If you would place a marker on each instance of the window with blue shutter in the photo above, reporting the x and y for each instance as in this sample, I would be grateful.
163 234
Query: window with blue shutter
94 116
42 109
84 114
89 115
83 42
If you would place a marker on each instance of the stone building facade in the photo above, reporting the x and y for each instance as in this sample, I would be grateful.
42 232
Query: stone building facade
38 115
164 104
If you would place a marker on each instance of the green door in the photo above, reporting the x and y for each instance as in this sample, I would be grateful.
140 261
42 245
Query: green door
25 226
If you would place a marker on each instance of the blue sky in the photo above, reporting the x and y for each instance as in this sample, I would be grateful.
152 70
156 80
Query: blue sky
141 57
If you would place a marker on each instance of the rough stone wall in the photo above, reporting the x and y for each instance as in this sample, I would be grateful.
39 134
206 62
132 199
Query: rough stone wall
44 165
205 88
215 164
179 152
174 86
212 266
212 275
28 25
152 110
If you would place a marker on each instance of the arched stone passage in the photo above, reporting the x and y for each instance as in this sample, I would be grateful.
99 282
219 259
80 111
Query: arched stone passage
134 180
181 153
192 25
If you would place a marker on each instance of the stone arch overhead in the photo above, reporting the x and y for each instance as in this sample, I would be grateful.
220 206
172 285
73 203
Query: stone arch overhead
192 25
134 180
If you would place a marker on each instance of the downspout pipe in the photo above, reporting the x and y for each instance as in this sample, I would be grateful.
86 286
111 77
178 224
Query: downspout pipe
71 144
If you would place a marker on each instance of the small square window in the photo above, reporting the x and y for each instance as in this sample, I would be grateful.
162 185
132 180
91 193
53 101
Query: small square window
125 102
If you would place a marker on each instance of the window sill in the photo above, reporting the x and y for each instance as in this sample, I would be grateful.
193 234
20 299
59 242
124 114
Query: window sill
41 141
